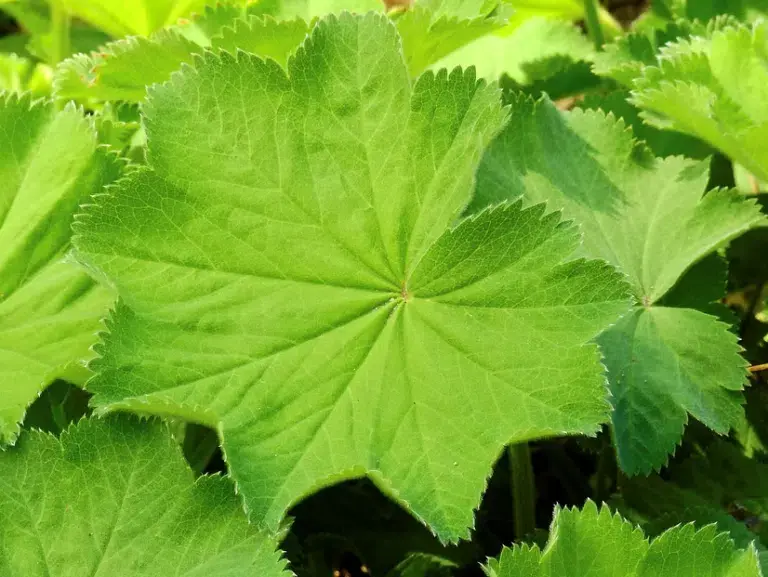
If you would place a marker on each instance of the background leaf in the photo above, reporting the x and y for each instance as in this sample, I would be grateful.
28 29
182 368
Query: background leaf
50 310
114 497
596 543
649 218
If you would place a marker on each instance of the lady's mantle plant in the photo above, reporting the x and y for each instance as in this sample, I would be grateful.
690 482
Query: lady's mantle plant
292 273
347 267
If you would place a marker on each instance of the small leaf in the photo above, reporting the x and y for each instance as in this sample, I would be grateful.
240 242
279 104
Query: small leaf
123 69
624 59
596 543
114 497
662 143
263 37
422 565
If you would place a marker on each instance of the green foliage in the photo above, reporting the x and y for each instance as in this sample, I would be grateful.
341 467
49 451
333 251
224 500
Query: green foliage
19 74
647 217
49 309
123 17
714 88
365 302
429 34
121 70
390 315
530 51
114 497
597 543
722 486
705 10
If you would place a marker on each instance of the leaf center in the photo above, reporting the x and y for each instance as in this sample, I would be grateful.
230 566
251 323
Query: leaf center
404 294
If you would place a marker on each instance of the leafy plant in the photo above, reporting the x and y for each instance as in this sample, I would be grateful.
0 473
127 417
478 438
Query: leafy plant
713 88
647 217
123 503
595 542
362 297
344 288
50 309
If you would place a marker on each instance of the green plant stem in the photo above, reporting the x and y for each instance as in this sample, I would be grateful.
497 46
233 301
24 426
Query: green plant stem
523 489
60 21
593 23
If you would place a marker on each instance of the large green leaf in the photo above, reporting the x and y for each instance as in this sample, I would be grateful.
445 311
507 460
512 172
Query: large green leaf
715 88
115 497
648 217
50 310
290 276
596 543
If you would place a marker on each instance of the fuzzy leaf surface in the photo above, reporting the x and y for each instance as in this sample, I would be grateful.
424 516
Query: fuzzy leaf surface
715 88
599 544
649 218
290 276
50 310
115 497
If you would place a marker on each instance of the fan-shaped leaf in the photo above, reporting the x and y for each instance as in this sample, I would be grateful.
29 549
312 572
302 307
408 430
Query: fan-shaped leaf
293 275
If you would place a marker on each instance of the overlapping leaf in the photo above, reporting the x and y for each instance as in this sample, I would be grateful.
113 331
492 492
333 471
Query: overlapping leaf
596 543
50 310
706 10
431 30
123 69
529 51
662 143
715 88
115 497
624 59
289 277
649 218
